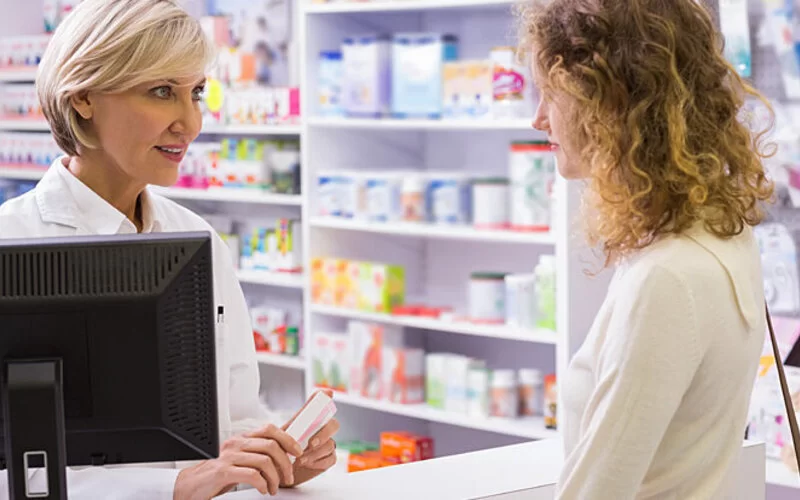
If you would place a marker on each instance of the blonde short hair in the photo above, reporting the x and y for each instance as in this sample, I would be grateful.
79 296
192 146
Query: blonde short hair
111 46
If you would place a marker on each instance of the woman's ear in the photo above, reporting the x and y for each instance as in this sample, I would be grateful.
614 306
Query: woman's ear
83 105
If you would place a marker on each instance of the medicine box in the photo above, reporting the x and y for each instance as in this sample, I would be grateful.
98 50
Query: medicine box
367 342
381 287
323 279
417 65
406 447
436 379
366 82
456 382
403 375
329 360
347 282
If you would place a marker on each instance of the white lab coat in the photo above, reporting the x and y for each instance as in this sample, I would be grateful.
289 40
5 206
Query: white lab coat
61 205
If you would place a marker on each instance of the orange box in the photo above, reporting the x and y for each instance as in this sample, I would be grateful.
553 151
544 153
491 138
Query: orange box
364 461
406 447
389 461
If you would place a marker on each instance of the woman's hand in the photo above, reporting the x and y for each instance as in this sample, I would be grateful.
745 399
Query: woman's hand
260 459
319 456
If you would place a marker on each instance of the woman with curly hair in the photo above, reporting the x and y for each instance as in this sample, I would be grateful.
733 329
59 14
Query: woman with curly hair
640 103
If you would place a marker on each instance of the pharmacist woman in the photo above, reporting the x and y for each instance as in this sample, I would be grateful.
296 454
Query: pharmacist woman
120 85
643 109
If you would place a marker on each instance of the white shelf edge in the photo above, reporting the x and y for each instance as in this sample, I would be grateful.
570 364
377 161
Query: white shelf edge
25 125
17 75
433 231
282 360
422 124
780 475
531 428
283 280
232 195
397 5
14 172
459 327
267 130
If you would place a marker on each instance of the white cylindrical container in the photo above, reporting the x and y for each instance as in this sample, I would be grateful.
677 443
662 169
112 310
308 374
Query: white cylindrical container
487 297
503 394
478 393
532 174
412 198
508 84
490 203
521 301
531 392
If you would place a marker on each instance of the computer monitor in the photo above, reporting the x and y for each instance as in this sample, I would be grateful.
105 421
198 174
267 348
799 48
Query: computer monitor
107 348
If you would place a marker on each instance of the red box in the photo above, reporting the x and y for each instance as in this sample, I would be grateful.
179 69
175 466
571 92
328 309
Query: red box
406 447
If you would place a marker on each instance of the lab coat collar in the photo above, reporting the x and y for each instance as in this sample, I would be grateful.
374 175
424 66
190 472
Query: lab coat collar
65 200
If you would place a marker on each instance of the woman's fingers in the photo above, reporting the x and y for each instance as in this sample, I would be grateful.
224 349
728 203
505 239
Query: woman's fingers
325 434
315 454
275 433
272 450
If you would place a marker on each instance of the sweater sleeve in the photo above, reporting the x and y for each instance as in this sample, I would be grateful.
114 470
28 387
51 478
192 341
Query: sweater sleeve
645 365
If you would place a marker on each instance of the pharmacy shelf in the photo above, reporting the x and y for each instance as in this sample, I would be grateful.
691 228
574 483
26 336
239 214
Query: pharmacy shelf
530 428
260 130
281 360
460 327
282 280
402 5
22 173
26 125
17 75
416 124
465 233
230 195
780 475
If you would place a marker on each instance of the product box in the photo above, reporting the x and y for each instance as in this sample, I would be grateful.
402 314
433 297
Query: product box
381 287
550 402
403 375
288 256
347 282
453 90
367 81
323 280
417 60
367 342
406 447
456 382
364 461
479 88
266 322
329 360
436 379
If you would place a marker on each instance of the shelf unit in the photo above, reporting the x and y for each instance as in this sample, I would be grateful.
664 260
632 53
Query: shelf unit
280 280
438 259
21 173
281 360
17 75
528 428
463 233
403 6
230 195
498 332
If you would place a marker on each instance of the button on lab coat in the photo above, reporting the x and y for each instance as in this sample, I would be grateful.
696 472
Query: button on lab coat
60 206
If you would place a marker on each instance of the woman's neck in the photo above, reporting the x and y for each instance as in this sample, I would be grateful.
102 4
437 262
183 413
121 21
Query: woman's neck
104 177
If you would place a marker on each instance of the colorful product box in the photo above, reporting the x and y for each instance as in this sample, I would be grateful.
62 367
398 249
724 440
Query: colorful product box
347 282
367 460
266 322
403 375
381 287
323 280
406 447
330 360
367 342
288 257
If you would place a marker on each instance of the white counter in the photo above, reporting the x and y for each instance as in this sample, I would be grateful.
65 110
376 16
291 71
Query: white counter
527 471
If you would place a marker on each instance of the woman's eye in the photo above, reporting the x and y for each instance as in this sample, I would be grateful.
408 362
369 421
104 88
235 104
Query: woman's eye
162 92
198 94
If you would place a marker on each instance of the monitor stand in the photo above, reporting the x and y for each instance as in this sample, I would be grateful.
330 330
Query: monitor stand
34 429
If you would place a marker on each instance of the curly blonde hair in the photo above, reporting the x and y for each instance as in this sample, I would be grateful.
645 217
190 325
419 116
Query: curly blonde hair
658 117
